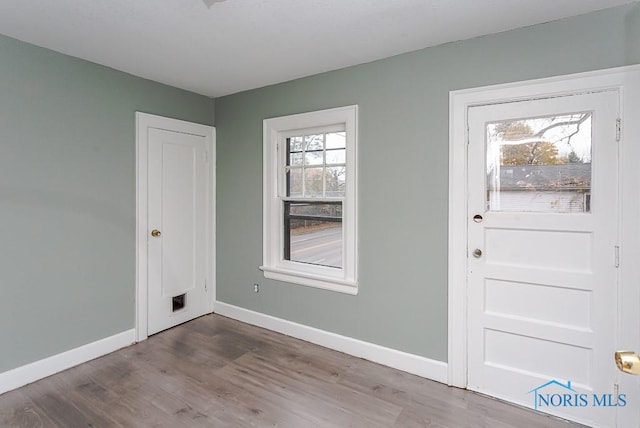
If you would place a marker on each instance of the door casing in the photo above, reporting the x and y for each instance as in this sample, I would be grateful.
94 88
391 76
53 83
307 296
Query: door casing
144 122
625 80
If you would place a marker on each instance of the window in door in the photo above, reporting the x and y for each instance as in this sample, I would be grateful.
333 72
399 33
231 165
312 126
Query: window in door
540 164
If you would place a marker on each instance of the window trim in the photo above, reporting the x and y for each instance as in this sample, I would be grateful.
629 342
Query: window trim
275 130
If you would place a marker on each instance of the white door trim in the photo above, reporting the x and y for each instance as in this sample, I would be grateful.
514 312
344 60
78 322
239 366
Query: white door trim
626 80
144 121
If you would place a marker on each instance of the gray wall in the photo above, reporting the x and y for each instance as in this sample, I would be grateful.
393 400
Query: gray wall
67 183
403 161
67 197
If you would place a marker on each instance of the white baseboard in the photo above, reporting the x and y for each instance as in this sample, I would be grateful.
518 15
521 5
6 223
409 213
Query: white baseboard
410 363
37 370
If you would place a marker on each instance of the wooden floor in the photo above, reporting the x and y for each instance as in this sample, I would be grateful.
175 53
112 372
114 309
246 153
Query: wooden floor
217 372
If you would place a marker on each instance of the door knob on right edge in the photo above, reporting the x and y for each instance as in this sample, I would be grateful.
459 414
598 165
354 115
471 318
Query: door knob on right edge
155 233
477 253
628 362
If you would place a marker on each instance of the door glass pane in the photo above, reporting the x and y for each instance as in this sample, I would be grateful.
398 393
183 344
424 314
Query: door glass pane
540 164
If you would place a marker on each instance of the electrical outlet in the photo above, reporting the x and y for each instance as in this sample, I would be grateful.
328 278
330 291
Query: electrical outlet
256 288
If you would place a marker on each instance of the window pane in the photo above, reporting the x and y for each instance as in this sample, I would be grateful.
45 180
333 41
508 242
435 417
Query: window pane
295 144
336 140
313 181
295 159
336 156
313 142
313 233
294 182
313 157
540 164
335 179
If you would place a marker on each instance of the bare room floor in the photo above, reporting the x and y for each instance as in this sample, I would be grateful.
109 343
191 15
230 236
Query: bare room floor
215 371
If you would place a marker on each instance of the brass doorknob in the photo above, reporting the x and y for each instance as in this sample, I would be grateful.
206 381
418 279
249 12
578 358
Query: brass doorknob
155 233
628 362
477 253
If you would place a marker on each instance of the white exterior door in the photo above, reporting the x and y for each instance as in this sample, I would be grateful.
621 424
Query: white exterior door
542 254
177 228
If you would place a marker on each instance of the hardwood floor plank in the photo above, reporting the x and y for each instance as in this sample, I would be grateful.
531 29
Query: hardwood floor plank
321 401
304 358
218 372
61 407
18 410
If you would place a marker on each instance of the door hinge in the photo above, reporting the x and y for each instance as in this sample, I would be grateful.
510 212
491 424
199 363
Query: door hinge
616 251
205 285
206 156
618 128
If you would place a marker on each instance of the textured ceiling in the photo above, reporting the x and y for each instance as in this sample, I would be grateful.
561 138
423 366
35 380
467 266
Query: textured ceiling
218 47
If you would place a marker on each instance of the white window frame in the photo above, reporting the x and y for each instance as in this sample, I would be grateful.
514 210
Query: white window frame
275 132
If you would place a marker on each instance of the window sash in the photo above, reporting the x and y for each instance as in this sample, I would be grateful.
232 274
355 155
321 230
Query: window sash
288 216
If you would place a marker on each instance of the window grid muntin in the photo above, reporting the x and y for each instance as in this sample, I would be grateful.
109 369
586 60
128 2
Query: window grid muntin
288 167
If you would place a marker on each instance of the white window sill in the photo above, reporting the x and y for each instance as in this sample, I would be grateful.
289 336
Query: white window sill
309 280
